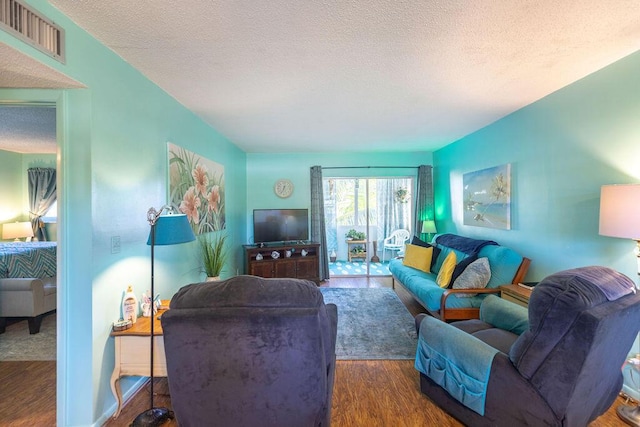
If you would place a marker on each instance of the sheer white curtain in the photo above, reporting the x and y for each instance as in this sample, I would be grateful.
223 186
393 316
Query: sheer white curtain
394 205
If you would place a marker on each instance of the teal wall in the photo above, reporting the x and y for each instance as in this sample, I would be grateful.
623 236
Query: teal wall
113 166
14 197
562 149
264 169
11 196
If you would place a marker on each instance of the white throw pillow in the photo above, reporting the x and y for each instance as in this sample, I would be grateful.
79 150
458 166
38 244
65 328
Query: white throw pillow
475 276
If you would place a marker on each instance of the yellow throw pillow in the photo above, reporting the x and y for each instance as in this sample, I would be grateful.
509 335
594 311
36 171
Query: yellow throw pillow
446 271
418 257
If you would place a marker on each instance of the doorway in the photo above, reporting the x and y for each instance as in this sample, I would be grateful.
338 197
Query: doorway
360 215
30 141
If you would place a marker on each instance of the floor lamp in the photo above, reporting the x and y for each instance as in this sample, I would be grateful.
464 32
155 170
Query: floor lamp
620 217
168 229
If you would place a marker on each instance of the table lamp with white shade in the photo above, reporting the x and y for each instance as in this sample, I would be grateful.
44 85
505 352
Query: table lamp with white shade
17 230
620 217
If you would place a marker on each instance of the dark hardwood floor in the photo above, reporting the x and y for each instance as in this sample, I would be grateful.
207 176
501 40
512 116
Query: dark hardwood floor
366 393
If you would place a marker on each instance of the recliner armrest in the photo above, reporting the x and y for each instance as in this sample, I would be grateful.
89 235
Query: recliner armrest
504 314
455 360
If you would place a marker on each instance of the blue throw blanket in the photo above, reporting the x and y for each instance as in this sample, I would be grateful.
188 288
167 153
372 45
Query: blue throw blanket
463 244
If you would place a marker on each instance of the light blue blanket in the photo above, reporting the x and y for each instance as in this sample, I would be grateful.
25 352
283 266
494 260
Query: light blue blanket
458 362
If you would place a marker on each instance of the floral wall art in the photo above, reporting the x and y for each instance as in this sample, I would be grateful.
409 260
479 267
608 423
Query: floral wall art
487 197
196 188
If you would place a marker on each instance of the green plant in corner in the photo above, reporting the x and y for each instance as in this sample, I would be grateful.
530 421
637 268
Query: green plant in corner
214 253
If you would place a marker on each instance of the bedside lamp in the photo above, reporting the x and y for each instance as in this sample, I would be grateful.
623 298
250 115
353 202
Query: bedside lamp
17 230
168 229
620 217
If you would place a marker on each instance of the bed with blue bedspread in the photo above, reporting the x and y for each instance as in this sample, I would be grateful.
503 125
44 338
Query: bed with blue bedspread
27 259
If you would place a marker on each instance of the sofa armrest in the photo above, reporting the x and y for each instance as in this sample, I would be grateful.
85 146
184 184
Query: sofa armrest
473 313
21 297
22 284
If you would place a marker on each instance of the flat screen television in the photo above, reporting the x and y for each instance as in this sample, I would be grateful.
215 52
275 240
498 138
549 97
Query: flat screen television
280 225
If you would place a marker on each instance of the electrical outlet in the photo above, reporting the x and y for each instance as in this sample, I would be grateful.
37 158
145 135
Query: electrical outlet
115 244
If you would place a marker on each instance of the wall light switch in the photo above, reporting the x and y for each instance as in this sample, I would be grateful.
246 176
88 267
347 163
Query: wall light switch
115 244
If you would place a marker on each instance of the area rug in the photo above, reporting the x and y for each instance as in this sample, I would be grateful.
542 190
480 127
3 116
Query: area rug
17 344
373 324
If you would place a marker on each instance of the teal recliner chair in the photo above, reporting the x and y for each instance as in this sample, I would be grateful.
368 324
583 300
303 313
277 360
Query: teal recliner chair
559 364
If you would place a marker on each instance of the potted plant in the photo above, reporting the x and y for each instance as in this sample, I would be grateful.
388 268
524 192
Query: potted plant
214 254
355 235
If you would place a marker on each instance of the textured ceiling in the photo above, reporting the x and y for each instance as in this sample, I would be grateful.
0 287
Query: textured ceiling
359 75
28 129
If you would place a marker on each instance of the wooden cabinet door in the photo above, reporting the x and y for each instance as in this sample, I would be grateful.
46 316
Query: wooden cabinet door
262 269
285 268
308 268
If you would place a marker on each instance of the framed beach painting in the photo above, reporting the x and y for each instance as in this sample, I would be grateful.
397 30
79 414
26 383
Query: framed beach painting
487 197
196 188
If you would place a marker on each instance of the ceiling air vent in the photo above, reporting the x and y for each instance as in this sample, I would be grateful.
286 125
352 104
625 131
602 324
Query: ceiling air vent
30 26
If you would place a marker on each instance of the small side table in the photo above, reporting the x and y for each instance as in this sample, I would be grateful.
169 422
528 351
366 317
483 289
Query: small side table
516 294
132 351
356 255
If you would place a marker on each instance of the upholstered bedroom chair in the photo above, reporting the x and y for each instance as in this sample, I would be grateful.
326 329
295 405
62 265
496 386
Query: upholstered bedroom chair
250 351
559 366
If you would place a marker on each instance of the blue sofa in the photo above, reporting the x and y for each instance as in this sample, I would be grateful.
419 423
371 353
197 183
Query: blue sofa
506 265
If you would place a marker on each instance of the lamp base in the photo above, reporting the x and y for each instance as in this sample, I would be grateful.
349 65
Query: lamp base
629 414
152 417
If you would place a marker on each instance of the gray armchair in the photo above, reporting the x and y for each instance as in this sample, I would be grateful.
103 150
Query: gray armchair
250 351
559 366
27 297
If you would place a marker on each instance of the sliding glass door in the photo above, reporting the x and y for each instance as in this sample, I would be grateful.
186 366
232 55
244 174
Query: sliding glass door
360 213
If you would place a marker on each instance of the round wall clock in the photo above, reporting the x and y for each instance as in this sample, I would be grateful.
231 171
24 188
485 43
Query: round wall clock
283 188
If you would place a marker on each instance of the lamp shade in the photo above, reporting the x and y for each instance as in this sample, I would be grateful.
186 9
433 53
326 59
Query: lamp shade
429 226
17 230
172 230
620 211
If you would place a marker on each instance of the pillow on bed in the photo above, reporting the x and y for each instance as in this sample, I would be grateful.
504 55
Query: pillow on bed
475 276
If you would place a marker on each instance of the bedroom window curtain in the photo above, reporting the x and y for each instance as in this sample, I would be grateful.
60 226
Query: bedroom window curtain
42 194
424 198
318 229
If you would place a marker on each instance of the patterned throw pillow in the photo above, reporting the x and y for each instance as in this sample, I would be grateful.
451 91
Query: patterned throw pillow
461 266
418 257
475 276
446 271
